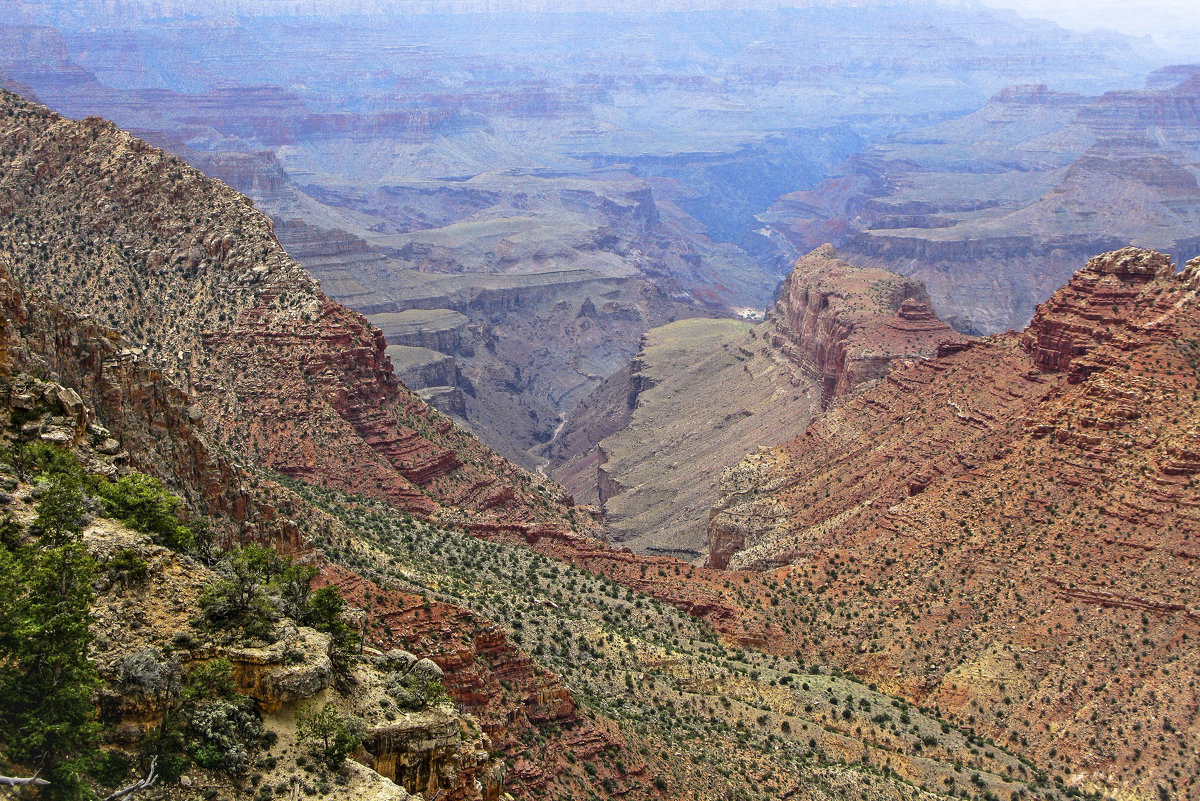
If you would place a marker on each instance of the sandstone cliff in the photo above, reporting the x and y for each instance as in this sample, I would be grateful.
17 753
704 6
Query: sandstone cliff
843 326
1008 530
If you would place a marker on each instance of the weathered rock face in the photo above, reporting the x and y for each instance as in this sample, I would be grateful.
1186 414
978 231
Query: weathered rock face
423 753
1009 529
488 678
842 326
1091 310
418 368
436 329
293 668
113 228
114 405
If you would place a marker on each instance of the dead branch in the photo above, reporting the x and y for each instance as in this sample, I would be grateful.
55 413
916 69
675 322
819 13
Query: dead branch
142 784
15 781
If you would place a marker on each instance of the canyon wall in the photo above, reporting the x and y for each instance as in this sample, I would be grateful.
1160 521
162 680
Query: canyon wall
993 211
194 276
1009 529
271 368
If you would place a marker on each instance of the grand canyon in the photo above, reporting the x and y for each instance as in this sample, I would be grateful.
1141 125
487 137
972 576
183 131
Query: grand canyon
688 401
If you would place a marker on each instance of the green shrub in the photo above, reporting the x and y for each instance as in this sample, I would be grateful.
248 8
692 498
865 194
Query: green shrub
324 613
223 728
224 733
145 504
125 567
240 600
413 693
46 680
110 768
61 508
41 459
330 736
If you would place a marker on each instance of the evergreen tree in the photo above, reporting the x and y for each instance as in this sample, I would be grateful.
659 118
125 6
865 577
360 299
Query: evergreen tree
46 681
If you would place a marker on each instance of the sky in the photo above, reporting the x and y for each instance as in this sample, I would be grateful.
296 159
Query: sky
1172 23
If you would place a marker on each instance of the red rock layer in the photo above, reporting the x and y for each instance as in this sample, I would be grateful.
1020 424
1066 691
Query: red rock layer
296 383
158 433
1011 532
1090 311
491 679
843 326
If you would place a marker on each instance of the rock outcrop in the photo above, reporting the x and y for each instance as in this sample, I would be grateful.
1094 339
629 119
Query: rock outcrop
510 695
842 326
423 753
1067 331
1009 529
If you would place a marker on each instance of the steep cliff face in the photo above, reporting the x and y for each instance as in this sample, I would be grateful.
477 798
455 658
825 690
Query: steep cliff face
68 379
1068 331
112 228
649 445
512 697
79 384
1019 517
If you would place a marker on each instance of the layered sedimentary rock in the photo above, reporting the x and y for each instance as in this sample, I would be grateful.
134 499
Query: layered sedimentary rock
510 695
66 378
422 367
1009 530
391 152
193 275
437 329
995 210
650 444
1068 330
113 403
842 326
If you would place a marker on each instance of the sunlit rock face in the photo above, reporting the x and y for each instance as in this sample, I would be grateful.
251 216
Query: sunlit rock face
650 444
1033 494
